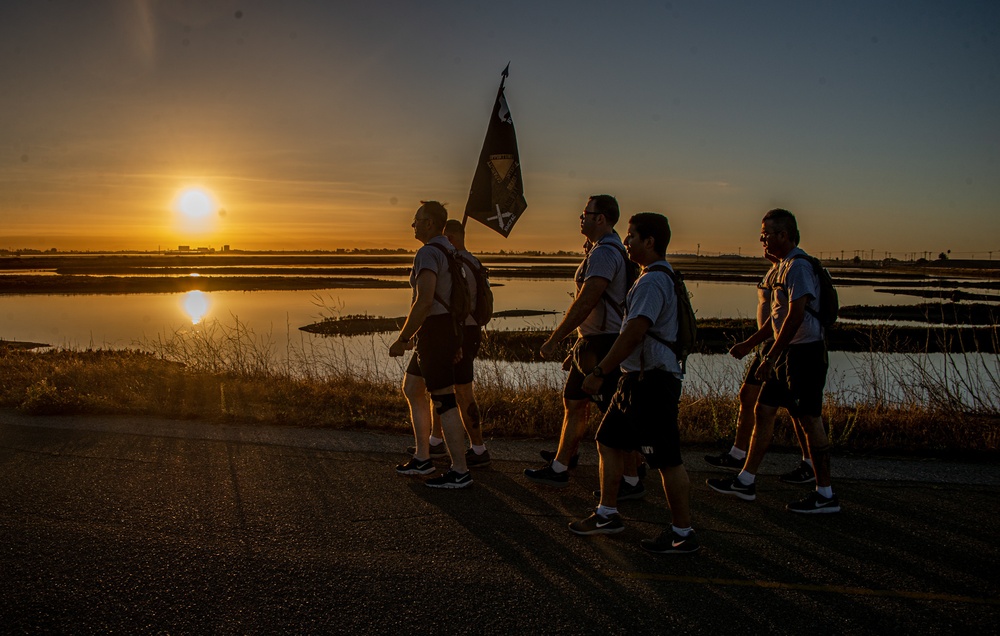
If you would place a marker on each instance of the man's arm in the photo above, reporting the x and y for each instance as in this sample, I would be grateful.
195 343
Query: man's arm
630 338
426 285
584 303
796 314
741 349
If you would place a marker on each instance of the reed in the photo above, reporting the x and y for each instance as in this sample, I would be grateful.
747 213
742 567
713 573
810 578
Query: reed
927 403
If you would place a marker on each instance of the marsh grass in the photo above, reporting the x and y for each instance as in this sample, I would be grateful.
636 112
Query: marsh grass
230 373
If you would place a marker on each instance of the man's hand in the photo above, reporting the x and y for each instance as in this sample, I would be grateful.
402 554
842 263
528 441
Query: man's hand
765 370
399 347
741 349
591 384
548 349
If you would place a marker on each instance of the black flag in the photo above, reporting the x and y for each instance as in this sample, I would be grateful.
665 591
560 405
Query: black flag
497 196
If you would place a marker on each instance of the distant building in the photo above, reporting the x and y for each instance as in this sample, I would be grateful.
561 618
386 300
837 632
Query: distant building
183 248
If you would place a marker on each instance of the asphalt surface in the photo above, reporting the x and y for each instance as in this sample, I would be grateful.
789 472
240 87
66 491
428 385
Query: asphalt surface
146 526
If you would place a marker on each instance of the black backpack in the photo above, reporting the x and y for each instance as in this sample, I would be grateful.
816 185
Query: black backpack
460 303
687 327
483 310
829 301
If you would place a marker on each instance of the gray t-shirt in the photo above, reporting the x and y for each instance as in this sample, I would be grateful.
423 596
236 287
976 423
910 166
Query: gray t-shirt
794 279
764 295
433 259
653 297
603 261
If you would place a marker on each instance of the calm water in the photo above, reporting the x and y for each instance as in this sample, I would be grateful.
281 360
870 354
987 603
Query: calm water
117 321
123 320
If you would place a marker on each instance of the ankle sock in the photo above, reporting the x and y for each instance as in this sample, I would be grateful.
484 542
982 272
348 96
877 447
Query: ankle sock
826 491
436 440
746 478
631 481
557 467
605 511
682 532
737 453
478 450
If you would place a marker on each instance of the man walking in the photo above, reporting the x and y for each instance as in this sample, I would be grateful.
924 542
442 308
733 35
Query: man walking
733 459
596 315
432 366
477 456
644 410
793 370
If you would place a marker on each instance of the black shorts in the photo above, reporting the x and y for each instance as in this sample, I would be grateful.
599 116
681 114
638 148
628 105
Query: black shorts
473 336
750 377
643 417
798 380
434 358
587 352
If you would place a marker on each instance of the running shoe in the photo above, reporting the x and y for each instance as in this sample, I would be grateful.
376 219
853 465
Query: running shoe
804 474
626 491
733 486
669 542
815 503
597 524
547 476
451 480
725 461
416 467
437 450
472 460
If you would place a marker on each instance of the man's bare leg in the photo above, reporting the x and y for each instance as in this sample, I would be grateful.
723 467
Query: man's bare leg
415 392
454 432
576 421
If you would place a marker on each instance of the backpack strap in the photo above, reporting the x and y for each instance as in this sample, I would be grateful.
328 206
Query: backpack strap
673 278
606 297
815 268
450 254
671 344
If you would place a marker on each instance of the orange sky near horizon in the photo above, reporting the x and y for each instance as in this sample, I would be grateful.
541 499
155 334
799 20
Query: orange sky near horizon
321 126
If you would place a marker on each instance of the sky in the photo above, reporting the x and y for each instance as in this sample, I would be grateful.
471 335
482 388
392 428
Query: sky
309 124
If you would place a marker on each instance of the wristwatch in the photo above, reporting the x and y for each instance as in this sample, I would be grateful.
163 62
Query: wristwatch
597 372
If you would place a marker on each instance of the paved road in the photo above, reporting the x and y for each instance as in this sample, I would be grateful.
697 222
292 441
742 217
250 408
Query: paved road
144 526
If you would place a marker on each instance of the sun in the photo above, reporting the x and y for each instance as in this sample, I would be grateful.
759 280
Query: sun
195 203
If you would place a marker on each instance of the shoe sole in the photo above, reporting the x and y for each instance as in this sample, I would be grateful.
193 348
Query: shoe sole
826 510
589 533
670 550
472 464
464 484
545 482
632 497
797 482
414 472
735 493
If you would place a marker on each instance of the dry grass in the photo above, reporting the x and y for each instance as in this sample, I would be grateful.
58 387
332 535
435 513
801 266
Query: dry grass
231 374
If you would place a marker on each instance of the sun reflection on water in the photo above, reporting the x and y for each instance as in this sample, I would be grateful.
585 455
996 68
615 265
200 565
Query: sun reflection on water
195 305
